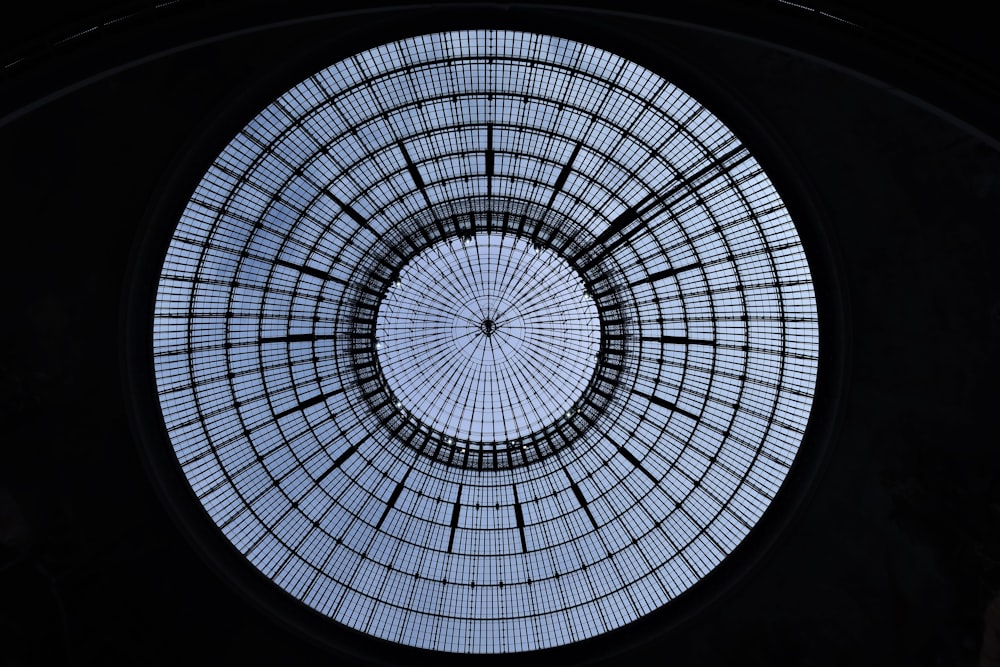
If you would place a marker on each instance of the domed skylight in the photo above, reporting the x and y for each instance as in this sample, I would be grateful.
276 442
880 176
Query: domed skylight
485 342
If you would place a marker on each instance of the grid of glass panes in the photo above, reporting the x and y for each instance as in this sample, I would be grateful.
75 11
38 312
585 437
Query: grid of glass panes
314 490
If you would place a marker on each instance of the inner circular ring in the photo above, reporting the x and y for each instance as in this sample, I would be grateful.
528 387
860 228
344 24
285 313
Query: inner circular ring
487 338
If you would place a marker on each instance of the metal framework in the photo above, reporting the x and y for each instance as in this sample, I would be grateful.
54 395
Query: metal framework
485 341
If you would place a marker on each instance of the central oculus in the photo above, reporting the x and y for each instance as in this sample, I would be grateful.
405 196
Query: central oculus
487 337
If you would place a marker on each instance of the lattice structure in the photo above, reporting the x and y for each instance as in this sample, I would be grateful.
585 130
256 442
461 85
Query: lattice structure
485 341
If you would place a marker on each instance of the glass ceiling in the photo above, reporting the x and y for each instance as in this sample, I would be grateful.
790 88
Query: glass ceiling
485 341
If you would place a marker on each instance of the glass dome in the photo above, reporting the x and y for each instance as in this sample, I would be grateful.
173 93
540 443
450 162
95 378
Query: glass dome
485 342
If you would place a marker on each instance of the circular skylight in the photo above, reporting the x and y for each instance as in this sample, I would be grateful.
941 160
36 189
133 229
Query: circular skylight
487 338
485 342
